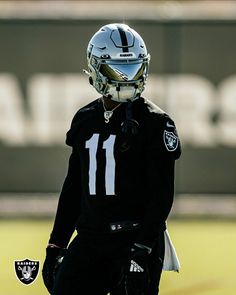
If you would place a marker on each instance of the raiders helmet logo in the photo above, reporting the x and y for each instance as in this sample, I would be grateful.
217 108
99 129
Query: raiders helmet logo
26 270
171 141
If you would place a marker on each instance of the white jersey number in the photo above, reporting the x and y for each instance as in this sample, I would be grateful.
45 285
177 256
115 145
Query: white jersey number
108 145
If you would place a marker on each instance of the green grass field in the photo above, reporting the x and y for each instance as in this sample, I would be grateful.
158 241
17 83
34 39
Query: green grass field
207 251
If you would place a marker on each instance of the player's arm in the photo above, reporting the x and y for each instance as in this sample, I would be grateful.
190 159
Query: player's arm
68 209
160 175
69 205
67 214
162 151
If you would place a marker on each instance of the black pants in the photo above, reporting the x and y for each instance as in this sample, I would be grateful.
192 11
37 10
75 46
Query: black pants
94 265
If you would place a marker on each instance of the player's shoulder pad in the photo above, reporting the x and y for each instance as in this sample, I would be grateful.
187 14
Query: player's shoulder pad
153 109
79 118
163 129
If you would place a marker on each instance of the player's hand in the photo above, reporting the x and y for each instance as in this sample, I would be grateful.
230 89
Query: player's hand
137 278
54 256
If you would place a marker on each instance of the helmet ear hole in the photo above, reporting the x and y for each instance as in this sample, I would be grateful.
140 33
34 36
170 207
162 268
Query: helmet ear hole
91 80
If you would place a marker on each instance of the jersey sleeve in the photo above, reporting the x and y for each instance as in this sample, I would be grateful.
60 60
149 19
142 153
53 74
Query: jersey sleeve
163 137
163 148
74 129
68 209
69 205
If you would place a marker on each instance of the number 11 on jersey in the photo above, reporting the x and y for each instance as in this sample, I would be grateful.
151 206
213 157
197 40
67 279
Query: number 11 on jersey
108 145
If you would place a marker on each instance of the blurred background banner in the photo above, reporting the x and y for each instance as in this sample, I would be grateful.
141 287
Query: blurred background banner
192 77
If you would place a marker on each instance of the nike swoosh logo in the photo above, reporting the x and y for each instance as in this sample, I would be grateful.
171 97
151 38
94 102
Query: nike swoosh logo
169 125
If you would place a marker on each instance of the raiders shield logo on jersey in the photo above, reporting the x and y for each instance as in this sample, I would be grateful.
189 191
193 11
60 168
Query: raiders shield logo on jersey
26 270
171 141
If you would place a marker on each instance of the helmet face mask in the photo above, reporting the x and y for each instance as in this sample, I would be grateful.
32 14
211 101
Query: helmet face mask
118 62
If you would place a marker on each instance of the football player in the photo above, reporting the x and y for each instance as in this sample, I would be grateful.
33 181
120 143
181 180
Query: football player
120 183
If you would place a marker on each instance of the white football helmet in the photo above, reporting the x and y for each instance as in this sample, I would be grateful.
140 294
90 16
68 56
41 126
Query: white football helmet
118 62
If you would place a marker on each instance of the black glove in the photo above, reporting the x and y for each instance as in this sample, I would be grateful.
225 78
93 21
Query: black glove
137 278
54 256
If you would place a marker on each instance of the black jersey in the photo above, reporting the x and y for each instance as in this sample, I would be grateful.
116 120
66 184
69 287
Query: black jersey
115 180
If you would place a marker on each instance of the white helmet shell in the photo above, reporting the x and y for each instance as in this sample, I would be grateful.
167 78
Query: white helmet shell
118 62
